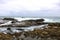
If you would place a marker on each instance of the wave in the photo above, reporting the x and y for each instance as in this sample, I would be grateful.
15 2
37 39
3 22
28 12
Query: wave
8 23
21 19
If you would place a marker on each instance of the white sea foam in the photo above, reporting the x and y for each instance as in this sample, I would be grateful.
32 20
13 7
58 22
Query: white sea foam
21 19
8 23
52 20
48 20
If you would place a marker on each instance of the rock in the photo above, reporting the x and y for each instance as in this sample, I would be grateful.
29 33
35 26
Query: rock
37 20
50 33
31 22
24 23
8 19
40 20
20 29
5 36
11 19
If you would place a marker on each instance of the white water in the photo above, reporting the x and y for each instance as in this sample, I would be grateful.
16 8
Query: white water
52 20
8 23
21 19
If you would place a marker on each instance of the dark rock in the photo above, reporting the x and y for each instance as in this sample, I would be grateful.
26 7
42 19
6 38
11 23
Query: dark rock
8 19
24 23
37 20
11 19
40 20
32 22
8 28
20 29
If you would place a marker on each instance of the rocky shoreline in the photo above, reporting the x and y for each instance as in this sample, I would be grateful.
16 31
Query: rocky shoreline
11 22
15 23
51 32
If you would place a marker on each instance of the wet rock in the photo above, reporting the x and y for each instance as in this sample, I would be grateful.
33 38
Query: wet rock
27 23
24 23
8 19
30 22
50 33
11 19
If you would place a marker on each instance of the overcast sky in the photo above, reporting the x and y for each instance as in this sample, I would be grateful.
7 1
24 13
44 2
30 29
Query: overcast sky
29 7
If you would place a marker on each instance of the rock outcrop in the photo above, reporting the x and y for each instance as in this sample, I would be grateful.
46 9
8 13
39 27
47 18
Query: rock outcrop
50 33
24 23
11 19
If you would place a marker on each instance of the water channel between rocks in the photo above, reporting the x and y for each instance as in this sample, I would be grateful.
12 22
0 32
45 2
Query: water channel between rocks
20 29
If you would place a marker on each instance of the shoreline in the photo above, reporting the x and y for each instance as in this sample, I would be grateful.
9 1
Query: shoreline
52 33
49 32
